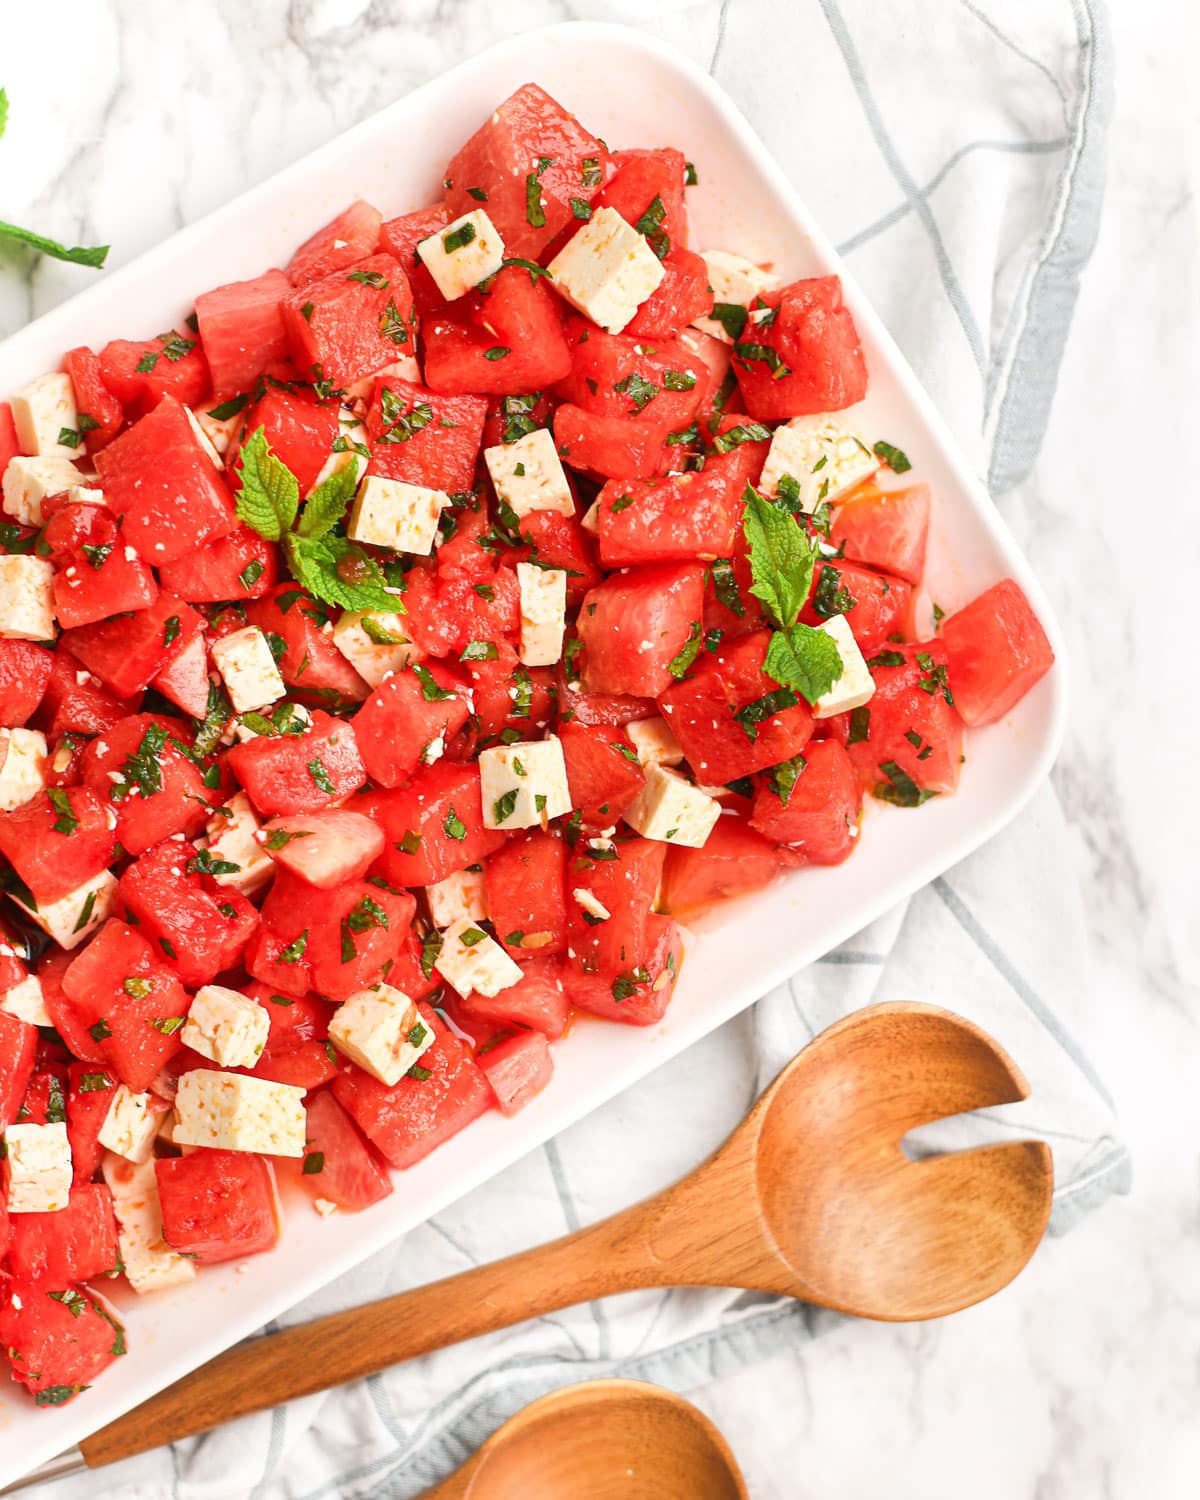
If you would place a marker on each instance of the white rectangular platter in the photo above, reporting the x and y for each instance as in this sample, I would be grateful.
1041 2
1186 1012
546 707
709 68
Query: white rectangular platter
632 90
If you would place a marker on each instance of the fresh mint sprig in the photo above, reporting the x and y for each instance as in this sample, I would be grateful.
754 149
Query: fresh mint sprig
782 559
80 255
330 566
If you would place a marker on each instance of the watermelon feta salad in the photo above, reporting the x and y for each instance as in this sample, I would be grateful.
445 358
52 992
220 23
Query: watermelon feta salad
388 655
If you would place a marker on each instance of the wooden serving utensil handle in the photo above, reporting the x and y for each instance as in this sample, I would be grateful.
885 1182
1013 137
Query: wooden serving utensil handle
618 1254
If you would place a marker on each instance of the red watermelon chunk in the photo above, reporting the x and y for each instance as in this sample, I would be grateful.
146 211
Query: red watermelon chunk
242 329
163 485
530 204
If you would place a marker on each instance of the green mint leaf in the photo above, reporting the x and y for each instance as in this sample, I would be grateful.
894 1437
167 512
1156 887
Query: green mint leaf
896 460
327 504
804 659
78 255
337 571
781 558
269 496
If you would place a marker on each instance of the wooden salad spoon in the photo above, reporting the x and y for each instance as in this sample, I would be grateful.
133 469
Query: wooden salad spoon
811 1196
597 1440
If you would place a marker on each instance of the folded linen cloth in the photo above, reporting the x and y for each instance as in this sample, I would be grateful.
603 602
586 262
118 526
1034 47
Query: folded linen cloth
956 152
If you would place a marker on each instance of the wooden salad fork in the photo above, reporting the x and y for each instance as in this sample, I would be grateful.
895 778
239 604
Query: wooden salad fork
811 1197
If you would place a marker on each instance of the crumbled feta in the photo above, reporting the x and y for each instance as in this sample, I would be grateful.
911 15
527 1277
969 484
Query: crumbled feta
29 482
736 281
43 412
86 494
670 809
382 1031
823 457
200 433
463 254
528 474
226 1026
131 1124
524 785
235 1113
22 766
607 270
592 905
543 614
325 1207
374 642
245 663
390 513
26 598
230 837
37 1168
26 1001
856 685
150 1264
654 742
460 897
73 918
472 962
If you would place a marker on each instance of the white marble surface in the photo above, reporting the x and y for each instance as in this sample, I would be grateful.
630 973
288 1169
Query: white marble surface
1083 1380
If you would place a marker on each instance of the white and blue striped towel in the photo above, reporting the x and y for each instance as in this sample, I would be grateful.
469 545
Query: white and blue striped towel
956 150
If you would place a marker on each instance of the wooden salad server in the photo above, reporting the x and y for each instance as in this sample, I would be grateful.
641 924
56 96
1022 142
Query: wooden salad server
811 1196
596 1440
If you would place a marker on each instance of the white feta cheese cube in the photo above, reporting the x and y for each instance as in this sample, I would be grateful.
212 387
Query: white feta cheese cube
590 520
131 1124
607 270
25 1001
351 449
227 1026
150 1263
45 417
73 918
245 663
472 962
670 809
466 252
404 368
236 1113
374 642
390 513
37 1168
461 897
26 598
29 482
543 614
735 281
381 1030
22 766
220 432
86 494
824 458
654 742
528 474
856 685
230 837
524 785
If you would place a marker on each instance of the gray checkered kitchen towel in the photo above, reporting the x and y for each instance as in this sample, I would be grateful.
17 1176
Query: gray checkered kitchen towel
959 162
